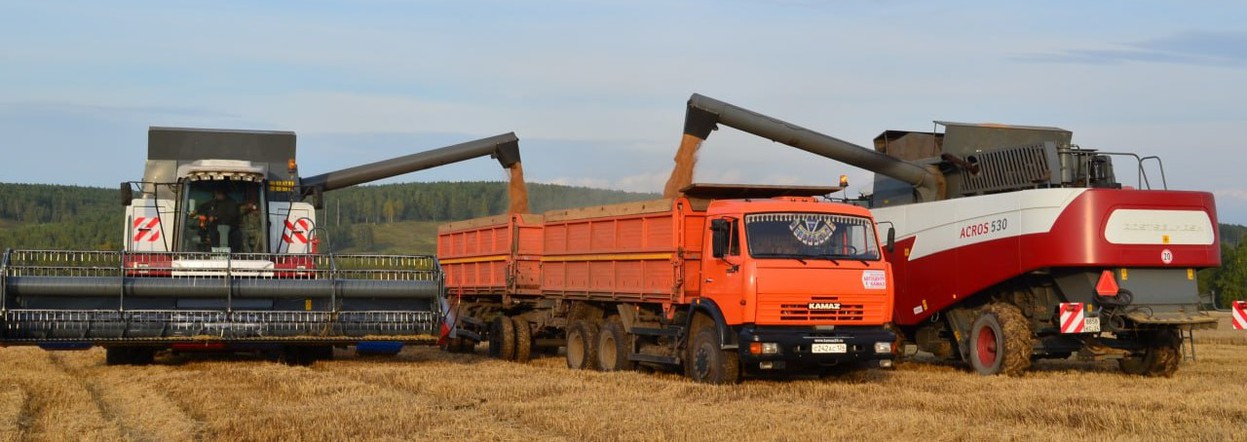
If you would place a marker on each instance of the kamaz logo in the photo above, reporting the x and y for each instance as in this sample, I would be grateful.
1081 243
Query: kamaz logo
824 306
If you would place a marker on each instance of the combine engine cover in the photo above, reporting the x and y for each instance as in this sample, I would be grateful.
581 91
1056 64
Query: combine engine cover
1151 241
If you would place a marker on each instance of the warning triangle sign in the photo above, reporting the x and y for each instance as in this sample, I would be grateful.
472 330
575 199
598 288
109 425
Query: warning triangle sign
1107 285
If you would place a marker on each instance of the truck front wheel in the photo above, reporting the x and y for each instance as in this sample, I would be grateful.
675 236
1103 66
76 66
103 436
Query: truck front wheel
709 363
1000 341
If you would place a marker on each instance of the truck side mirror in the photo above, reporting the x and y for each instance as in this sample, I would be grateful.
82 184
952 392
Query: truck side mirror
127 194
719 229
891 245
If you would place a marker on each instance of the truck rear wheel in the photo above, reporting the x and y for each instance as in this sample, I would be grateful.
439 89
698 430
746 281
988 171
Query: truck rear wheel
523 340
502 338
613 346
709 362
1160 358
1000 341
582 345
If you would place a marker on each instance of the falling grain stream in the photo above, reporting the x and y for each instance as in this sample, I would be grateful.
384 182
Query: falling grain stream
685 161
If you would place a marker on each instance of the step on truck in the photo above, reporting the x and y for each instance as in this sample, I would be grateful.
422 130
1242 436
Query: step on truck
1013 244
721 282
221 253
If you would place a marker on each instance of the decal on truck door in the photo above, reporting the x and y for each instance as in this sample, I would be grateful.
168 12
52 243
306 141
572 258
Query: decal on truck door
874 279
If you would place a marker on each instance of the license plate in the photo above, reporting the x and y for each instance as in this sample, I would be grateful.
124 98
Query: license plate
1091 325
829 348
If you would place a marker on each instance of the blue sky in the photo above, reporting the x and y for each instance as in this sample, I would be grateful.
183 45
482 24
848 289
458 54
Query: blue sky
596 89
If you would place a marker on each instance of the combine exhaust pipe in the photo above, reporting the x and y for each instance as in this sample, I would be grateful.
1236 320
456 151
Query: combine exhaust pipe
705 113
505 148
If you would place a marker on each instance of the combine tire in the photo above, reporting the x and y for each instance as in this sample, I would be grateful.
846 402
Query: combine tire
1000 341
129 356
613 346
582 352
523 340
502 338
709 363
305 355
1159 359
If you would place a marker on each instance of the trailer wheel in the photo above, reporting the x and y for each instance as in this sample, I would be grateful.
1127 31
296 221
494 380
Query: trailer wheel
502 338
613 346
1000 341
582 351
523 340
1160 358
709 362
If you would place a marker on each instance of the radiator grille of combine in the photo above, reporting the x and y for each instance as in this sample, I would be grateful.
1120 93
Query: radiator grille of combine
1008 169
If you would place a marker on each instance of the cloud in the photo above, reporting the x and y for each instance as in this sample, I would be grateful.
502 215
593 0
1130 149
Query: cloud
1203 48
1233 194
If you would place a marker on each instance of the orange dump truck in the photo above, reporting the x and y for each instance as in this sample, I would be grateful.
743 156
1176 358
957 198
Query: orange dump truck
721 282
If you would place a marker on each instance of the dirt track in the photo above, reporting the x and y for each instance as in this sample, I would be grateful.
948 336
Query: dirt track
425 394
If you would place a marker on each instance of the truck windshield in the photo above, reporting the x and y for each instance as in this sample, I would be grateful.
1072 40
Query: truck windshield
810 236
223 216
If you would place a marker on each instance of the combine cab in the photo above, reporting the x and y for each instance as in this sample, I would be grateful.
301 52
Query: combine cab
221 253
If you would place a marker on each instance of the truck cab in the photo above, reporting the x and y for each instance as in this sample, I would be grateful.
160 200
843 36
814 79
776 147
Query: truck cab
802 283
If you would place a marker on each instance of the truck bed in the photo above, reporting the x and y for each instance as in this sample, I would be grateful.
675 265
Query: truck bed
639 252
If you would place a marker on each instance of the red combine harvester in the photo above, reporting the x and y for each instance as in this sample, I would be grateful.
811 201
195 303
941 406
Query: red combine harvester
1013 244
221 253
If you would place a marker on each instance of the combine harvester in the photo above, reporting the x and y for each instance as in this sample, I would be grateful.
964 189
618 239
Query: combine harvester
720 281
1014 244
221 254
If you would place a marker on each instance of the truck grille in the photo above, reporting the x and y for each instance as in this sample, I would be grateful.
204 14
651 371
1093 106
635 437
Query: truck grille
795 309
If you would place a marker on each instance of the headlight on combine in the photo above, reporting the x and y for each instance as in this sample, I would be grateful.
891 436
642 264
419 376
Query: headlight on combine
883 347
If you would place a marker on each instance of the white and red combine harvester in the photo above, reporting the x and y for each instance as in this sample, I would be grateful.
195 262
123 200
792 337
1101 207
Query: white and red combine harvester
1012 244
221 253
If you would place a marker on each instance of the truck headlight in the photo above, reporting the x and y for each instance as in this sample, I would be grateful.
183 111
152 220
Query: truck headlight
883 347
763 348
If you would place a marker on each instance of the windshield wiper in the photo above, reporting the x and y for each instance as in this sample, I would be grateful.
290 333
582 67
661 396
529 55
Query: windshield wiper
833 258
799 258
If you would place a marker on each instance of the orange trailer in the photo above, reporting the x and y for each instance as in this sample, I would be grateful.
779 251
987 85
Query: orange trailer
724 281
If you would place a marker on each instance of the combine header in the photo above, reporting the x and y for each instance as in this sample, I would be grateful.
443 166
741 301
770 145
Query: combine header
1014 244
221 253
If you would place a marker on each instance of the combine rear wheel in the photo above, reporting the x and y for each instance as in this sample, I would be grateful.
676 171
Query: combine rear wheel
1000 341
1160 359
582 345
523 340
502 338
613 346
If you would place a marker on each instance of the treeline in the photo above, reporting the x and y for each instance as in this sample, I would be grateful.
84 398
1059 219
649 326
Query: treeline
73 217
445 201
41 216
348 214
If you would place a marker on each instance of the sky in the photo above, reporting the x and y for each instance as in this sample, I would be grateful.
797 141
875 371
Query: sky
595 90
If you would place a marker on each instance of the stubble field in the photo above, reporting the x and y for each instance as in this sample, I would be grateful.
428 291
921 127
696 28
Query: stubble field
426 395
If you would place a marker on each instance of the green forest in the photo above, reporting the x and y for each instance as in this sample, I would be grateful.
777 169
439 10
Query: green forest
393 218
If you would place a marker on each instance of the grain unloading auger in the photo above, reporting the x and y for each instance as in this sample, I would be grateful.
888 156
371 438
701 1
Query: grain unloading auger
221 253
1013 244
